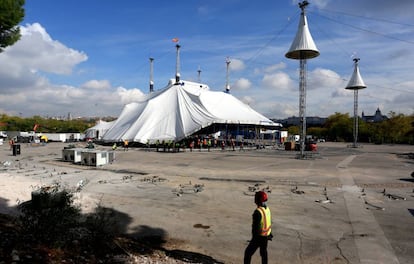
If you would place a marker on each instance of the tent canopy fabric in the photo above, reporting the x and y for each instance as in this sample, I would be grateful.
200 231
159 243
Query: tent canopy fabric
98 130
178 111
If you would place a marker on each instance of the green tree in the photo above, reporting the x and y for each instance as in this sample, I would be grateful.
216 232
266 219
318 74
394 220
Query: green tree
364 131
317 132
48 125
396 129
293 130
11 14
339 127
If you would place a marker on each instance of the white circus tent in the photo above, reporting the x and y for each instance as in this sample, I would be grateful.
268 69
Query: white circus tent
98 130
179 110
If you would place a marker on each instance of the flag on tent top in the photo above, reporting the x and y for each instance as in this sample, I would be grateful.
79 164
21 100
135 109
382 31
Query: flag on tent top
175 40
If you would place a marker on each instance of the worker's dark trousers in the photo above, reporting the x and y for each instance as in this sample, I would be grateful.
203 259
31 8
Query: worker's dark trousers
255 243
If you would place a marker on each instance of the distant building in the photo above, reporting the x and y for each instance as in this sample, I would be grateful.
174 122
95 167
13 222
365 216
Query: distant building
376 118
316 121
295 121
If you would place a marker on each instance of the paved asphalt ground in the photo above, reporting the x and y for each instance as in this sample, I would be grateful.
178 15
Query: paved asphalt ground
329 208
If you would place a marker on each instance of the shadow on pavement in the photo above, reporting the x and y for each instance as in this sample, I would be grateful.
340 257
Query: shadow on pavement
95 236
151 239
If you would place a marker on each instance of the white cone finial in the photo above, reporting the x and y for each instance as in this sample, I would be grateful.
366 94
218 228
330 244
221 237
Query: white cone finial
303 46
356 82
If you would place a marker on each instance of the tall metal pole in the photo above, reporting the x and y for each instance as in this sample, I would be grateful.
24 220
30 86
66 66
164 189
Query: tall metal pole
302 106
151 75
199 74
302 48
355 83
177 65
227 74
355 118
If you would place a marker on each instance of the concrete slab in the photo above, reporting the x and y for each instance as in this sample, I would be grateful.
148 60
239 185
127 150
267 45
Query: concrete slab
157 192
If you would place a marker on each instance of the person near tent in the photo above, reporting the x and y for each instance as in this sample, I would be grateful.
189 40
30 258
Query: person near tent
177 146
261 229
126 143
157 144
209 144
241 146
11 143
148 144
199 144
191 145
114 146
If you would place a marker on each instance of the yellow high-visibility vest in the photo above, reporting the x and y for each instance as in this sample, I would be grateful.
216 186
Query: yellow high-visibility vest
266 221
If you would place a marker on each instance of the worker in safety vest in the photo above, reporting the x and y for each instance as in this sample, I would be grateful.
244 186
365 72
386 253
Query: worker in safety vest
261 229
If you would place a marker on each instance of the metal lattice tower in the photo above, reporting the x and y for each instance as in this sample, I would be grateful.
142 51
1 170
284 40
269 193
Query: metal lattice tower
356 83
303 47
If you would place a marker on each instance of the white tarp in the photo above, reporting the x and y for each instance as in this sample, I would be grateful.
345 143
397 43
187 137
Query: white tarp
97 131
178 111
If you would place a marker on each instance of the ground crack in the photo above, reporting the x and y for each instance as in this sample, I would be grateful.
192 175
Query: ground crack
338 246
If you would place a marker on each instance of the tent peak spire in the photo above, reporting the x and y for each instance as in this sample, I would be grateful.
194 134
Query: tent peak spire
177 65
228 61
151 88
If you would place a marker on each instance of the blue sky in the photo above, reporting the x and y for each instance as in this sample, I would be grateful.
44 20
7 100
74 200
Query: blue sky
91 57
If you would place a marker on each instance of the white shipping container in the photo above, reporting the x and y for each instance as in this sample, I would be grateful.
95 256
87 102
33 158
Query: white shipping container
94 158
58 137
72 155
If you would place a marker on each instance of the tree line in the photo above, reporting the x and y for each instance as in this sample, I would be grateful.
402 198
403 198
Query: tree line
397 129
45 125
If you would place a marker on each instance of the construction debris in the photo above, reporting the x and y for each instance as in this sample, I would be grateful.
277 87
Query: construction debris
81 184
126 177
363 192
153 179
295 190
257 187
374 206
327 200
393 196
188 189
7 163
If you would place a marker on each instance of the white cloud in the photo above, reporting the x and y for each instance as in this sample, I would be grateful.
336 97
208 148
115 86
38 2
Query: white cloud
37 51
242 84
324 78
320 3
275 67
129 95
278 80
97 85
237 65
248 100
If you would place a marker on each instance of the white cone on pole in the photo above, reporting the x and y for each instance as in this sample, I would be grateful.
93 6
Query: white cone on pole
303 47
355 83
